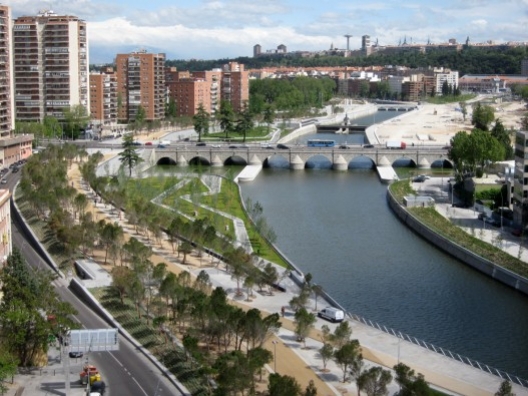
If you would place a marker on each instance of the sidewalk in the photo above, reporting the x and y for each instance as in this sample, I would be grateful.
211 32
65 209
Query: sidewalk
305 364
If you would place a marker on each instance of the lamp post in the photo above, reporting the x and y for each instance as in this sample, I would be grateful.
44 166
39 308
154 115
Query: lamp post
274 355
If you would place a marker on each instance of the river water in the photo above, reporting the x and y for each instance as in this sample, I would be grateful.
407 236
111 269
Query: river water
338 226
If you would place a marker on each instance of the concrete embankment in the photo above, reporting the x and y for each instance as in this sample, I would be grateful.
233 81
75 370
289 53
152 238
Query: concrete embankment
464 255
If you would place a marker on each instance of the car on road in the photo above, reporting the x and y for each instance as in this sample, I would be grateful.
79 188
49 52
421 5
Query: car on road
136 143
4 181
344 146
368 146
282 146
201 144
161 146
148 144
419 179
233 146
75 354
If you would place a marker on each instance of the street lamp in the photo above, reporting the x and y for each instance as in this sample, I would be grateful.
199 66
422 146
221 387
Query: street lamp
274 355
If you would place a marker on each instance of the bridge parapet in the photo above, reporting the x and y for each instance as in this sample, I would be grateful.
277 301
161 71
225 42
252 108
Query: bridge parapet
422 157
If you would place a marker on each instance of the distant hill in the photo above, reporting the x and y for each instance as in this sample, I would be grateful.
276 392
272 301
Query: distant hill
470 60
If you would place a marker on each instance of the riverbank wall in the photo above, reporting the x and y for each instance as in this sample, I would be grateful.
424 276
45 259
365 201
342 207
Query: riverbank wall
464 255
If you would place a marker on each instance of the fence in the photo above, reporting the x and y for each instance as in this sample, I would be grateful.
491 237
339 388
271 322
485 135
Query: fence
473 363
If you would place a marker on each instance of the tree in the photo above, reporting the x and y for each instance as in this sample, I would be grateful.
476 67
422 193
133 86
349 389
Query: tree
463 109
326 352
234 374
304 322
374 381
504 138
269 115
76 118
31 310
171 110
482 116
410 384
201 122
505 389
348 355
283 385
226 115
342 334
129 157
245 121
310 390
468 151
8 368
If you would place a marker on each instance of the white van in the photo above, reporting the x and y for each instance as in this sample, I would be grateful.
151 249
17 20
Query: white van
332 314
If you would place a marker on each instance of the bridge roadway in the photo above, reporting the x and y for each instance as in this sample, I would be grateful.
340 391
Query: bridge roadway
297 156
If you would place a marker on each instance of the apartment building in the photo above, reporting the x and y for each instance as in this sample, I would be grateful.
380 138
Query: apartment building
450 76
214 79
141 83
7 119
208 88
50 56
235 85
103 97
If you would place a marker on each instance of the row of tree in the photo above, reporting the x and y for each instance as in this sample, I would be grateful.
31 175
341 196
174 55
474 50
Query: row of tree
471 60
471 152
32 316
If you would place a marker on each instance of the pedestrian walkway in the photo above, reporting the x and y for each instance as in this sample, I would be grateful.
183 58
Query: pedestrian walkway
379 348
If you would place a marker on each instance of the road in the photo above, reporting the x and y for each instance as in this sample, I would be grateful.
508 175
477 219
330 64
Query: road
125 372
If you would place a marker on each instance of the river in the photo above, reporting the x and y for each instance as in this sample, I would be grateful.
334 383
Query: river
338 226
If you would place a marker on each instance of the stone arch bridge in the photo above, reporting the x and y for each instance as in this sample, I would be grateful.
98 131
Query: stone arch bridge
297 156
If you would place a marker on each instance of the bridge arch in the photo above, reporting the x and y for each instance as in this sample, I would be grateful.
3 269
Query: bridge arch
235 160
166 161
199 160
276 161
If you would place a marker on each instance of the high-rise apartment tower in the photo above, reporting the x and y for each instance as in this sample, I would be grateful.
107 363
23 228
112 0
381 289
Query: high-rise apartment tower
141 83
7 119
50 55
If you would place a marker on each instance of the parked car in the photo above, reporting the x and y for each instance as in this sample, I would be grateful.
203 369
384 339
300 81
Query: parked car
332 314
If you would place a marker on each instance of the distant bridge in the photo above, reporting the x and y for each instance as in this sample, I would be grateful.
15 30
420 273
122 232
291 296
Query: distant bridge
297 156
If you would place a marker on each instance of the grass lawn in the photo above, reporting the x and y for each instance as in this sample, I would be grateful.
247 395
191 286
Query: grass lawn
443 226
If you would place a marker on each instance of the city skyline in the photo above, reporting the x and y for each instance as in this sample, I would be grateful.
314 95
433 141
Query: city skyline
209 29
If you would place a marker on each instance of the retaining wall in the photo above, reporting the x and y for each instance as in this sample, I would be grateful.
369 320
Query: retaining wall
473 260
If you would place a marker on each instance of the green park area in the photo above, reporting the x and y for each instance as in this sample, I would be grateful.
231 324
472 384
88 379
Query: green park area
450 230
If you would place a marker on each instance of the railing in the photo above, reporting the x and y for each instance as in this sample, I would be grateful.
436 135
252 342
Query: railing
473 363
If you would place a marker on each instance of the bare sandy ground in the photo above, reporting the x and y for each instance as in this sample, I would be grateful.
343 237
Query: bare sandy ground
435 125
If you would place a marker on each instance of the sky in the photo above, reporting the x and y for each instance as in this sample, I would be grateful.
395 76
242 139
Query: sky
220 29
